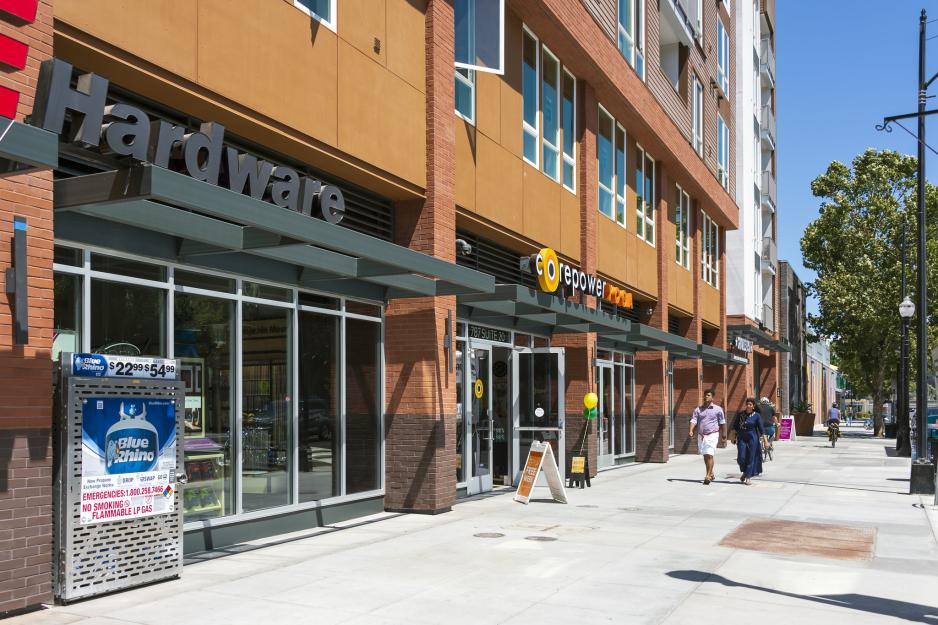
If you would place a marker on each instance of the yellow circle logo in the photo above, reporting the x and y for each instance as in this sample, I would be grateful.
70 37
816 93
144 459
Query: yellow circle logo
547 267
479 389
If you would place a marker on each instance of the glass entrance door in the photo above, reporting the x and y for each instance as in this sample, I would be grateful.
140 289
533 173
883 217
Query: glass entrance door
539 405
608 412
480 418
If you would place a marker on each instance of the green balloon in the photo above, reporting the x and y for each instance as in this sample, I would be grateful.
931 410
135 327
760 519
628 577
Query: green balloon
589 413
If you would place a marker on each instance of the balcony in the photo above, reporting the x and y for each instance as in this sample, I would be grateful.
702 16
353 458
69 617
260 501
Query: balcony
767 63
679 23
767 127
768 317
769 191
769 256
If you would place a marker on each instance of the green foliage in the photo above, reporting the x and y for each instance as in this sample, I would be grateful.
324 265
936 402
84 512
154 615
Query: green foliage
854 247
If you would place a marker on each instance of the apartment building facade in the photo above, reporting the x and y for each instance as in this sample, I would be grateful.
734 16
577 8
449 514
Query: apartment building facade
752 256
792 320
383 276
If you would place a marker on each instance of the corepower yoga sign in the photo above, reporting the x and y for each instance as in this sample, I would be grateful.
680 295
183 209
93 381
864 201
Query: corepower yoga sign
126 130
551 273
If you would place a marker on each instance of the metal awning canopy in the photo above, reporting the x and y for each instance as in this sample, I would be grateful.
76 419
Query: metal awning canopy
716 356
25 148
525 309
759 337
153 211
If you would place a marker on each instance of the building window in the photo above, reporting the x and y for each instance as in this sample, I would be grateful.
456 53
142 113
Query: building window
723 152
569 131
632 33
682 228
550 99
710 251
322 11
698 115
645 196
298 374
620 175
529 80
723 58
466 94
604 154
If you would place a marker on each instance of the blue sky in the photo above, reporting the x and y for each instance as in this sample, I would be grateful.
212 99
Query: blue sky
842 65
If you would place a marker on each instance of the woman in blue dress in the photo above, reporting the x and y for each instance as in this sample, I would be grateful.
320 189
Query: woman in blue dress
749 435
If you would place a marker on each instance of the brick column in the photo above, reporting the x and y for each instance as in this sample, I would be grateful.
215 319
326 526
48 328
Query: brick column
580 348
26 370
420 419
651 381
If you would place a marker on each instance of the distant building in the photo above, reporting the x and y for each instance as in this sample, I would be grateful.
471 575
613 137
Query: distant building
822 379
792 322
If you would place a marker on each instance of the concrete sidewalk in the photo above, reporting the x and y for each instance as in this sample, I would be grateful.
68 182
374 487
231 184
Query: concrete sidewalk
641 546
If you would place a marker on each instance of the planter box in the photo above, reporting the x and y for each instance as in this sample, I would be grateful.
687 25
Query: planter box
804 423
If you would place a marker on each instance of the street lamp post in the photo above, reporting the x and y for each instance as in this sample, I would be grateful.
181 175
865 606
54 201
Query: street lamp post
922 478
906 311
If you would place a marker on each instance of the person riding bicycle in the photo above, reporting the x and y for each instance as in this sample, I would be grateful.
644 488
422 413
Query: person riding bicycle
769 420
833 415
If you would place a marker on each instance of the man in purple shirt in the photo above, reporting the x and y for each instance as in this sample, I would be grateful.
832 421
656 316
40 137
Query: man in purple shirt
710 424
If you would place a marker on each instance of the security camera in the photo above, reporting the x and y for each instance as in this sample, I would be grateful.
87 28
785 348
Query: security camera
463 247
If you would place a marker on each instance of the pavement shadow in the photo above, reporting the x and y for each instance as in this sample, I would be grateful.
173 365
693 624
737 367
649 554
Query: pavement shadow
676 479
914 612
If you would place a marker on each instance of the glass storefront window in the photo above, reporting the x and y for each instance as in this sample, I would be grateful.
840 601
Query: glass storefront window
460 412
362 400
266 414
66 327
67 256
127 319
318 301
358 308
204 281
265 291
538 393
318 406
204 329
129 268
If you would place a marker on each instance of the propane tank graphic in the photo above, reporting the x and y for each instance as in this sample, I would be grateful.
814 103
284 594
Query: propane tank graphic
131 445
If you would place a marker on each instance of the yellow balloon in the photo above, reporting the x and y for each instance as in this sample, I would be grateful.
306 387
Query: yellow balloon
590 400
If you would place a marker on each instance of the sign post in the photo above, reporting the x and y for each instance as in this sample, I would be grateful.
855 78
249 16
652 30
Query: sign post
541 456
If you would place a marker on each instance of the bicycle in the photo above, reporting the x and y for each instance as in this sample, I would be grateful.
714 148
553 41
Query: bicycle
767 452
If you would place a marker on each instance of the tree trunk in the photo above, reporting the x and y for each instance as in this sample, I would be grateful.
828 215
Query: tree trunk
879 430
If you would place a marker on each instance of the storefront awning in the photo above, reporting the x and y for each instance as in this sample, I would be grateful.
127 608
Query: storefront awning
716 356
759 337
524 309
25 148
154 211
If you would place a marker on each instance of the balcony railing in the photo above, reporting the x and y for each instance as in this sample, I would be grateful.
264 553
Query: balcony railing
767 63
769 191
768 317
769 255
685 23
767 127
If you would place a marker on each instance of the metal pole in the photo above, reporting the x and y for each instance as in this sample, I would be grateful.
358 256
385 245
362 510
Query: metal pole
903 415
921 395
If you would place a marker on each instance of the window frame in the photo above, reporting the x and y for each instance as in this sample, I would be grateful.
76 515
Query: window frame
623 181
330 23
568 159
610 189
682 229
526 128
642 212
470 81
556 147
634 36
723 57
709 250
723 152
697 112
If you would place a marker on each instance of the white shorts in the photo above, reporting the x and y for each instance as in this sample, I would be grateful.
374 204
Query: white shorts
707 443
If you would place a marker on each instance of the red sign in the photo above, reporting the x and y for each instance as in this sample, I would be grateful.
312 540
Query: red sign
13 52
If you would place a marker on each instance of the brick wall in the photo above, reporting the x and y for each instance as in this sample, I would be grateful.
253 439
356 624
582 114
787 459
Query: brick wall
420 419
26 370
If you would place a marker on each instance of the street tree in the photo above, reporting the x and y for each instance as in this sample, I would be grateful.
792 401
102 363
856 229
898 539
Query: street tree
854 247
